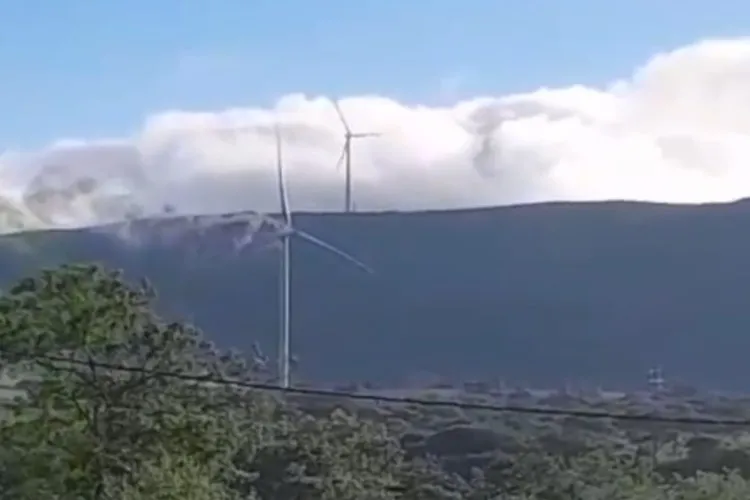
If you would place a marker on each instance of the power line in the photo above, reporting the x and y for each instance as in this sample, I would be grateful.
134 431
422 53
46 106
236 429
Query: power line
354 396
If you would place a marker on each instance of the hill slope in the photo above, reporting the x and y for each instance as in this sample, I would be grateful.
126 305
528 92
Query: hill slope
540 293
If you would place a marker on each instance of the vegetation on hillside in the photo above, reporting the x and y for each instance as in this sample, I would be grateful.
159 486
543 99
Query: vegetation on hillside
85 430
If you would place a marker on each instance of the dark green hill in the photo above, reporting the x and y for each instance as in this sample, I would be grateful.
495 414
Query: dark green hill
579 291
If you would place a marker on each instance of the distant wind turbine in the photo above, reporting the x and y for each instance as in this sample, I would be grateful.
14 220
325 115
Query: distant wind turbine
285 231
346 155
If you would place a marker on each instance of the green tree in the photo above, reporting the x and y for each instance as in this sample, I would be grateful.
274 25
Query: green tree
327 458
88 430
172 477
83 427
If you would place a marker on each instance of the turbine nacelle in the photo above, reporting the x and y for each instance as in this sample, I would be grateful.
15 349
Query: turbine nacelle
360 135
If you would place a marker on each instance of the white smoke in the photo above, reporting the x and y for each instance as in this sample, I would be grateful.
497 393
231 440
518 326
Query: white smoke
677 130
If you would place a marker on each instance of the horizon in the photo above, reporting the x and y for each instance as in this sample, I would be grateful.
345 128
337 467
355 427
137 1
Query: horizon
194 218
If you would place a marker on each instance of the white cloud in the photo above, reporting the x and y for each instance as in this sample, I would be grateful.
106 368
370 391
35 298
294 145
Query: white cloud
676 130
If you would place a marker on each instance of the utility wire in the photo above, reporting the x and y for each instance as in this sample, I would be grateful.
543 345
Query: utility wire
356 396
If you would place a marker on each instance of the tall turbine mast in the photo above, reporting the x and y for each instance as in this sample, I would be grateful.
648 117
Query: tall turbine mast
285 230
346 156
285 274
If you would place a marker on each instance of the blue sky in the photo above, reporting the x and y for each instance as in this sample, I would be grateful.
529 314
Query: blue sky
81 68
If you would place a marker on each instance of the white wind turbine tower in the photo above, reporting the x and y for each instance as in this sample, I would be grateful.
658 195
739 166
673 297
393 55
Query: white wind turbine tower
285 231
346 155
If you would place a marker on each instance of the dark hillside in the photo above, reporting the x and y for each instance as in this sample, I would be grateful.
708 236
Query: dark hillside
593 292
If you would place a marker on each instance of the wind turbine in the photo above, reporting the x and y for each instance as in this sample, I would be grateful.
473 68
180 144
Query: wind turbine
285 230
346 155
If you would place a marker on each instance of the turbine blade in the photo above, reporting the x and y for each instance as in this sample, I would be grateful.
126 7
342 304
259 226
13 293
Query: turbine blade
341 117
341 158
327 246
280 171
360 135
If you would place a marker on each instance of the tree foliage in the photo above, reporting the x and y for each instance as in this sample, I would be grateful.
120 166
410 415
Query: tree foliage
83 425
85 430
